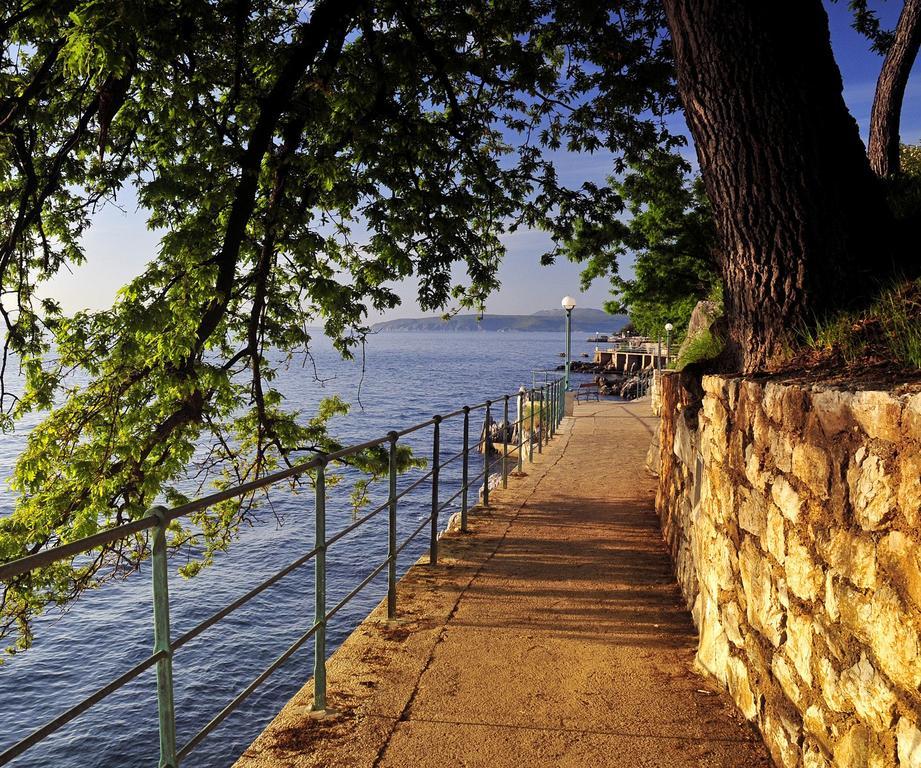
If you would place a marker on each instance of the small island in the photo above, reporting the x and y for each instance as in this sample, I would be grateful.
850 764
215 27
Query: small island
583 321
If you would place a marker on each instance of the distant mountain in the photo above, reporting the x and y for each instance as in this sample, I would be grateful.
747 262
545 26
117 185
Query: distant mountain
583 320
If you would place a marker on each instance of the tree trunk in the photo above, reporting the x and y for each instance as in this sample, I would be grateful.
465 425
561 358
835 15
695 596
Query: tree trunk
883 147
801 217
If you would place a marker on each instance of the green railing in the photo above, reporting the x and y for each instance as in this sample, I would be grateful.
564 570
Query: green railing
546 405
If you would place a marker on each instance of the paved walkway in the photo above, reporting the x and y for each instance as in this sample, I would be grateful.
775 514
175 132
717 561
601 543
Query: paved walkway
553 635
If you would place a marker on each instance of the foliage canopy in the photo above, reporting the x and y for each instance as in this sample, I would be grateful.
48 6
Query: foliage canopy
297 160
670 233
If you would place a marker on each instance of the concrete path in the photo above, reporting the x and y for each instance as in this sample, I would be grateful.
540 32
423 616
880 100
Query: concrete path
553 635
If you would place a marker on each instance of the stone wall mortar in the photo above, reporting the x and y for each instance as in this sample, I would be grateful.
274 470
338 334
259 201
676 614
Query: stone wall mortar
791 512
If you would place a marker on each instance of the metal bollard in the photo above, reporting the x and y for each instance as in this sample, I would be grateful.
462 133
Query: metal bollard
392 532
436 466
165 708
319 595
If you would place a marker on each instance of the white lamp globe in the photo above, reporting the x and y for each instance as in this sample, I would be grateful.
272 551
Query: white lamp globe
569 303
669 327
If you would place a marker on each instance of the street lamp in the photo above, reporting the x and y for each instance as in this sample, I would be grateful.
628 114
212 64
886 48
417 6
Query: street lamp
569 304
668 341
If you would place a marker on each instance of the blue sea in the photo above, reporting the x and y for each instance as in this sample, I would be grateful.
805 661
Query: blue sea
407 378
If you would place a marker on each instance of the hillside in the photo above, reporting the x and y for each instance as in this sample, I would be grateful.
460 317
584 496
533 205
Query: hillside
583 321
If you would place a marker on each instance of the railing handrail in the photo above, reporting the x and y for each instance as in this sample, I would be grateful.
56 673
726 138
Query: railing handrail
14 568
550 395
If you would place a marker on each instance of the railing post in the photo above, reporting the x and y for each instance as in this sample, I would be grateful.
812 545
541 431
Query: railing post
556 405
505 444
543 426
531 427
436 465
392 532
319 595
520 429
561 404
486 445
556 410
165 708
551 417
466 469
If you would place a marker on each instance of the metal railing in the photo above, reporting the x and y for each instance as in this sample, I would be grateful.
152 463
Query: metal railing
545 404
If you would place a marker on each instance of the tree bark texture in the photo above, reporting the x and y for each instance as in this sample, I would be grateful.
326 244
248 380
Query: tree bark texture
883 145
801 216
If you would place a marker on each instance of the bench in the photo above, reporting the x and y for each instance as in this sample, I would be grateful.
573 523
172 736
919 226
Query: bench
586 390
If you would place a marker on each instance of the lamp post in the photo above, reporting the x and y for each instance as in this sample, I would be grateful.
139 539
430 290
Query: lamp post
569 304
668 341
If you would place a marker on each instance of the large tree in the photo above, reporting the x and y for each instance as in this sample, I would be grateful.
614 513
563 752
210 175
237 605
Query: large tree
803 223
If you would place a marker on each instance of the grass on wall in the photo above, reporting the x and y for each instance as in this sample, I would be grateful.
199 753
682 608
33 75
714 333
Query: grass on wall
890 329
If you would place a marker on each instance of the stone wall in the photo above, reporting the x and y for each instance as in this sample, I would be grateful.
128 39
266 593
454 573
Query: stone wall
792 514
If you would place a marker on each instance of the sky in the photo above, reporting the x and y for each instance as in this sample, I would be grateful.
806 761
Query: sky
119 244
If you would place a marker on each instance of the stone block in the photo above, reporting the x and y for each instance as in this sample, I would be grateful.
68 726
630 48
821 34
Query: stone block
786 676
716 417
761 432
900 557
813 757
752 512
713 646
852 555
832 408
773 401
755 475
795 405
911 416
908 739
732 392
804 577
815 723
780 447
828 684
799 644
879 621
737 443
685 444
740 688
763 609
872 700
786 498
775 538
782 736
812 467
878 413
872 490
754 392
830 598
855 749
714 385
909 493
732 623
